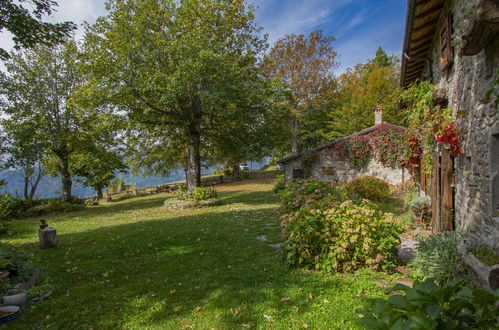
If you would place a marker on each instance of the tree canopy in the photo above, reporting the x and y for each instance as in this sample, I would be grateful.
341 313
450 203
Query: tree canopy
180 69
27 26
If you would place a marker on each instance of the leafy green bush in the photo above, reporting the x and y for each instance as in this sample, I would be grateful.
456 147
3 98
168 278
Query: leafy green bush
227 171
6 205
280 185
52 205
243 175
304 193
17 263
182 192
421 210
202 194
438 259
341 238
369 187
427 306
485 255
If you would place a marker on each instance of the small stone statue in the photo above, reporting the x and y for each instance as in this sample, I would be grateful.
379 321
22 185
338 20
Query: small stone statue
47 235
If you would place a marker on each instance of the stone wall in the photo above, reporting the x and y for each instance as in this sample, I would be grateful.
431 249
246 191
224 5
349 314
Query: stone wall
465 84
329 167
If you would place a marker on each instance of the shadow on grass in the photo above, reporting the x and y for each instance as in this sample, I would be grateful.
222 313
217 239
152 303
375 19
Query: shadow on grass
205 270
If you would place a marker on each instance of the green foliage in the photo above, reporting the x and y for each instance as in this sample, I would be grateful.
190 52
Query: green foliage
17 263
359 90
39 290
341 237
369 187
304 193
202 194
27 26
421 210
55 205
243 175
196 70
182 192
6 205
428 306
438 259
279 186
486 255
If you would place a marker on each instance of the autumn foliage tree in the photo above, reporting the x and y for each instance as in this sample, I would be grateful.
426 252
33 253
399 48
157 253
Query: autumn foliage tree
360 90
304 64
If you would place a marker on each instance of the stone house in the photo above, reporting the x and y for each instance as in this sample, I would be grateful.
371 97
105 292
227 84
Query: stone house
454 44
323 162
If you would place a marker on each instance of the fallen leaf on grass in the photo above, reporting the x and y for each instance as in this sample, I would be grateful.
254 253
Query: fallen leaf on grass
246 325
269 318
284 299
176 309
197 309
305 325
326 301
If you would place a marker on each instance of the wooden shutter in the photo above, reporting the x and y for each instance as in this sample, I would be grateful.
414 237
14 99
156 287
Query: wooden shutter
446 54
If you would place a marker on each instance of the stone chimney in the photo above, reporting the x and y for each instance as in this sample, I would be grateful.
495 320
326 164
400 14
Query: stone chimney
378 115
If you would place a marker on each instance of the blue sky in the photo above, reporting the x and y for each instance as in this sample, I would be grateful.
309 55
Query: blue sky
360 26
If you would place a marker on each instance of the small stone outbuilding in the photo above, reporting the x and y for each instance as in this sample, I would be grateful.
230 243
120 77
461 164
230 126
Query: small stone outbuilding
323 162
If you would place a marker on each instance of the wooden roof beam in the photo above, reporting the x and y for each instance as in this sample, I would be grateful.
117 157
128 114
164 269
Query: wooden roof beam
430 11
430 23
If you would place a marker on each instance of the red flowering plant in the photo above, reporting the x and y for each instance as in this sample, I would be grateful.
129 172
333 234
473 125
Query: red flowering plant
358 150
388 142
450 138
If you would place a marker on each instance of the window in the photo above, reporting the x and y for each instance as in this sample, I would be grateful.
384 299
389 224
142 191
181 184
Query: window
446 54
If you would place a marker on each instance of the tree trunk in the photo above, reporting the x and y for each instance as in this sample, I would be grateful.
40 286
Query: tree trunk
98 191
65 179
34 185
193 173
294 135
26 185
235 170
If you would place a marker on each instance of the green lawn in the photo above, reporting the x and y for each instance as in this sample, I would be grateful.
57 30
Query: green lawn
134 265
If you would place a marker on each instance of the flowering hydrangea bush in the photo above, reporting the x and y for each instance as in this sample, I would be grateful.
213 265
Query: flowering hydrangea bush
306 193
341 238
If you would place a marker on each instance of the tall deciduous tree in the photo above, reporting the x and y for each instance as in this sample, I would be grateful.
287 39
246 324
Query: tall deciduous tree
361 89
305 65
27 26
178 67
38 88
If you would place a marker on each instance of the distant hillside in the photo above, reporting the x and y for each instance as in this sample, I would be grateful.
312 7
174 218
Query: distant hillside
51 186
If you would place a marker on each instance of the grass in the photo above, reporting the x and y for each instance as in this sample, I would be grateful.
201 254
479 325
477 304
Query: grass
132 264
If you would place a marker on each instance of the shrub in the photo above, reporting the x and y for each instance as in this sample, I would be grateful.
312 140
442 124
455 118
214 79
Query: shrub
342 238
202 194
182 192
486 255
303 193
51 205
181 204
421 210
243 175
227 171
279 186
428 306
6 205
438 259
369 187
